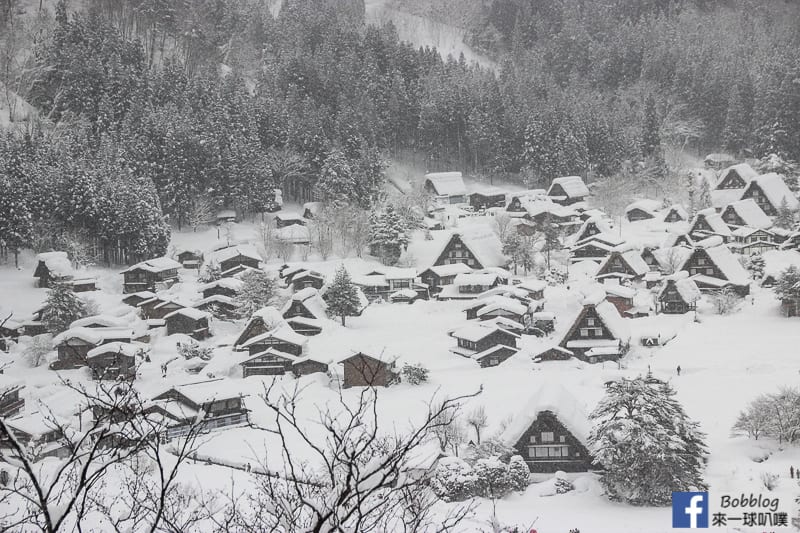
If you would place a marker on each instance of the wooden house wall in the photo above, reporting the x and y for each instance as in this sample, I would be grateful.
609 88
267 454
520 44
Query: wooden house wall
732 181
671 302
361 371
239 260
637 214
113 365
577 457
588 326
701 263
187 325
281 346
254 328
457 252
309 367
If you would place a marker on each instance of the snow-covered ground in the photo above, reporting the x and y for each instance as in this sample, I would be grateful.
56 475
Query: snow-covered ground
726 361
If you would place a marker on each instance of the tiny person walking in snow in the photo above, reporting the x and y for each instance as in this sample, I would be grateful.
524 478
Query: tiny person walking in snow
791 472
679 370
164 370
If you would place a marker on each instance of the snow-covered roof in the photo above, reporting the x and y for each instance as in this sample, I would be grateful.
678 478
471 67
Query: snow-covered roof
714 221
775 189
107 321
474 279
619 290
476 332
491 350
648 206
290 216
203 392
532 285
450 270
776 261
488 190
722 197
744 170
233 284
270 351
504 322
283 333
403 293
123 348
93 335
159 264
480 240
447 183
502 303
143 295
751 214
679 209
555 398
373 352
688 290
615 323
728 264
395 273
294 233
245 250
371 280
57 263
312 301
573 186
189 312
216 299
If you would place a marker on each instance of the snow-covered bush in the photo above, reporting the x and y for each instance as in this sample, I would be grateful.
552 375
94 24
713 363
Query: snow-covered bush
38 349
562 484
454 480
555 276
189 350
755 265
775 415
211 271
519 473
725 301
493 478
414 374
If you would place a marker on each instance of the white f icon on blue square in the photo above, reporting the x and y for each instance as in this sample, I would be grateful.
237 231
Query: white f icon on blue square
690 510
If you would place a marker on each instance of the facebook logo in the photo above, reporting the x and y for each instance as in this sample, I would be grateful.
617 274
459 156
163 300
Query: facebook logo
690 510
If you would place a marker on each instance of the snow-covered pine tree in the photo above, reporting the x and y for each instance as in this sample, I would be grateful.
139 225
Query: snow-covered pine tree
651 138
646 442
691 190
785 217
336 182
258 290
342 296
16 225
704 197
211 271
61 308
512 246
388 235
755 265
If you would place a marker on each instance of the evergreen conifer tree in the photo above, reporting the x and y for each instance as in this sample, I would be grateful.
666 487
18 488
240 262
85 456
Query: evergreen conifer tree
651 138
258 290
61 308
342 296
646 442
388 235
785 216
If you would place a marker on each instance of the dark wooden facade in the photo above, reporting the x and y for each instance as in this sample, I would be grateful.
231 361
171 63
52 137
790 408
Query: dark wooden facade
588 326
495 356
275 343
308 366
112 365
190 259
479 200
10 402
303 280
673 215
361 370
548 447
197 328
560 196
755 192
140 279
670 301
219 290
617 264
732 180
636 214
456 251
495 338
268 363
238 261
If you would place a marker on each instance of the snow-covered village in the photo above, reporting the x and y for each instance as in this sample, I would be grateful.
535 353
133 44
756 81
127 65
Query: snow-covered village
373 266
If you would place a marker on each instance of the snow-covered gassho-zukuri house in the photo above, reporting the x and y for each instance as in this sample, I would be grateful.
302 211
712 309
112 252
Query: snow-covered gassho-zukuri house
181 405
736 177
746 213
499 306
437 277
229 287
770 191
306 312
622 266
73 345
642 210
262 321
486 197
488 345
113 361
568 190
676 213
713 267
235 259
679 295
478 247
151 275
283 339
708 223
550 432
469 286
599 333
188 321
448 187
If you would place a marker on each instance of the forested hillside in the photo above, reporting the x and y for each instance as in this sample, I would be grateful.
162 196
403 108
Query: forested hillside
197 102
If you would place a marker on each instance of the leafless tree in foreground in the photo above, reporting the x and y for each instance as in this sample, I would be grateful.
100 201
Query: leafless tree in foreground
355 475
74 476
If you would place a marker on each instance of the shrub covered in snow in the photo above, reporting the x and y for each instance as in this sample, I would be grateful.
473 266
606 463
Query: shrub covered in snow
454 480
562 484
755 265
211 271
519 473
493 478
725 301
189 350
414 374
38 349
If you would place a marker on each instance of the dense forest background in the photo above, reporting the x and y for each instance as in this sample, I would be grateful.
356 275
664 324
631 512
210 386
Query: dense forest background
139 111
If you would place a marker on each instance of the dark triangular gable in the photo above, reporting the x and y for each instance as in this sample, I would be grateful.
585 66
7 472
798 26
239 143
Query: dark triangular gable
254 327
298 308
578 457
732 180
671 293
760 198
701 224
456 243
589 230
673 216
731 217
589 250
693 265
574 333
616 264
649 258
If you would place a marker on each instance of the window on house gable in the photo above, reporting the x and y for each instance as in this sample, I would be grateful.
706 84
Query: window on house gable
547 436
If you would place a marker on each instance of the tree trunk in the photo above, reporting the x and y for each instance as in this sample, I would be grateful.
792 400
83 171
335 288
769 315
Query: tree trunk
343 318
